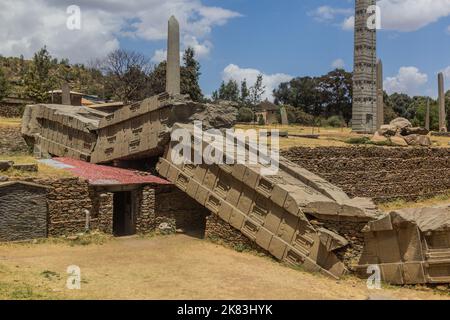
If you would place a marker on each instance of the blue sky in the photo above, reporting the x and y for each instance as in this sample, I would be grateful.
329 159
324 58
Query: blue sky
240 38
287 37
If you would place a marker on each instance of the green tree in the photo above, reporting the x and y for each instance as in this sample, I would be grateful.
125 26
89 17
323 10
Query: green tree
245 93
401 103
4 85
419 119
190 76
302 93
257 91
245 115
228 91
38 79
336 94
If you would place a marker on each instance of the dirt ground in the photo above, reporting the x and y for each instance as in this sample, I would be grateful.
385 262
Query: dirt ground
169 267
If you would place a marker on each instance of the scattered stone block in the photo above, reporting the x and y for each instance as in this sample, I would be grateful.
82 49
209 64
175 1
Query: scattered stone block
28 167
418 140
417 130
387 130
5 165
399 141
378 138
401 124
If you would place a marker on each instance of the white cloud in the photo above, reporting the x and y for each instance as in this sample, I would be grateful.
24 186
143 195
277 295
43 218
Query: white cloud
397 15
349 24
28 25
409 80
446 73
328 14
338 64
270 81
412 15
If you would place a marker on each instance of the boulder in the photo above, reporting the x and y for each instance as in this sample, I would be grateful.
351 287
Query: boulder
5 165
399 141
387 130
418 140
378 138
401 125
417 130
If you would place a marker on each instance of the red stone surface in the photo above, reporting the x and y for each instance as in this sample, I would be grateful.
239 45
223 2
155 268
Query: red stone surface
106 175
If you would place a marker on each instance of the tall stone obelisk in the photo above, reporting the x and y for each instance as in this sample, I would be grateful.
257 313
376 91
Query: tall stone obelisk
65 94
173 86
364 114
427 116
442 115
380 94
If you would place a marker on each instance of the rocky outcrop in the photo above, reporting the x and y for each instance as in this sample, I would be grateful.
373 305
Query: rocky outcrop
400 132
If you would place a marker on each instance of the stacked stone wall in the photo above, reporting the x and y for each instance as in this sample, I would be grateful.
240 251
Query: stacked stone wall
384 174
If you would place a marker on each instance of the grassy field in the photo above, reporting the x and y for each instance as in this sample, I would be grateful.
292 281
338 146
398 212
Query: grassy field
169 267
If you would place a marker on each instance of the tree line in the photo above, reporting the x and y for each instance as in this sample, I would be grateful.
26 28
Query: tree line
129 76
122 75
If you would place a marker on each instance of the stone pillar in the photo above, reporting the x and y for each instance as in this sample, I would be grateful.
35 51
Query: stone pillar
380 94
364 110
65 94
284 116
427 116
173 58
442 115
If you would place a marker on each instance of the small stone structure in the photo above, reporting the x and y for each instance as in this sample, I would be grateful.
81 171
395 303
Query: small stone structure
38 208
267 111
23 211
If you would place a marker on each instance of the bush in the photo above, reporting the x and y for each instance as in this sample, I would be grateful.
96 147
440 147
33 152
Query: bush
334 121
261 121
245 115
303 118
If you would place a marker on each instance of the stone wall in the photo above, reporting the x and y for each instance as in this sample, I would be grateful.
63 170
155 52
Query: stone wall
174 207
384 174
11 141
11 110
218 230
23 212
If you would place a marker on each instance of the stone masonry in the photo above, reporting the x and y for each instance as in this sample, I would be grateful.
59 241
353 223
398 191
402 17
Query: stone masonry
23 211
384 174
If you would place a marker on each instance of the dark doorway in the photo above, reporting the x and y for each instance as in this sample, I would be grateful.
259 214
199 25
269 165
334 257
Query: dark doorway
124 221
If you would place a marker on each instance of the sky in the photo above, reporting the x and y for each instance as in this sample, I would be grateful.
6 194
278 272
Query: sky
238 39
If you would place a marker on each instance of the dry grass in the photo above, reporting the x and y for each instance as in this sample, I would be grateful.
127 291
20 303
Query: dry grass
10 122
329 137
43 170
439 200
170 267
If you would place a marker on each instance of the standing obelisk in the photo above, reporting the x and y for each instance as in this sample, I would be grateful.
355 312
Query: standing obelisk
65 94
364 113
173 86
427 116
380 94
442 115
